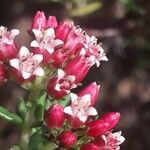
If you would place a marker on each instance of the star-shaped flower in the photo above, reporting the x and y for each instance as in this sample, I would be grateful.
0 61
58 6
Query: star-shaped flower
80 107
6 36
113 140
93 51
45 40
27 63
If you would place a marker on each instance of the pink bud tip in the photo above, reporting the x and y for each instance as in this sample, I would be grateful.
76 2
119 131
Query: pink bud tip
39 21
78 67
98 127
51 22
89 146
54 116
93 90
67 139
112 118
63 30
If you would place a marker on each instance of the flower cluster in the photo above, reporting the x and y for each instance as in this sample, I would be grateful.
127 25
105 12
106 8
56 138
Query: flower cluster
61 54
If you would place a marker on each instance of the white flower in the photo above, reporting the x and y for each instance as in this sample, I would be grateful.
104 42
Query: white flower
6 36
45 40
93 51
27 63
113 140
80 107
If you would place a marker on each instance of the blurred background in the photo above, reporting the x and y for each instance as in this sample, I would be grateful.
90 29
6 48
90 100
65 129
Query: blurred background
123 26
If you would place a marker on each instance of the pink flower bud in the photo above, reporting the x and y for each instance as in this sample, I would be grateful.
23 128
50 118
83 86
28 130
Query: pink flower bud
78 67
51 22
74 121
89 146
8 52
112 118
54 116
93 90
75 40
98 127
103 125
39 21
67 139
2 73
58 58
62 30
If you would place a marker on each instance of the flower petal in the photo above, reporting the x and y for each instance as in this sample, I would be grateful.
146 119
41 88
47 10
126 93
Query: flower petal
92 111
57 87
26 75
68 110
97 63
86 99
58 42
49 49
38 34
14 33
74 98
15 63
50 32
73 86
37 58
104 58
82 52
60 73
39 71
83 118
24 52
34 44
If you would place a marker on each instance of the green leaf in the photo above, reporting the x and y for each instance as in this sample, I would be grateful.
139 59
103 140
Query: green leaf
9 116
86 9
34 141
49 103
64 102
39 109
22 108
47 145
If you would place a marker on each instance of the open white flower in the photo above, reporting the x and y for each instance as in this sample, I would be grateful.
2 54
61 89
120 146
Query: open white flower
93 51
113 140
45 40
27 63
80 107
6 36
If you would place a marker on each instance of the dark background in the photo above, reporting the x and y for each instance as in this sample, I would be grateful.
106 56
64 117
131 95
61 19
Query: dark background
123 26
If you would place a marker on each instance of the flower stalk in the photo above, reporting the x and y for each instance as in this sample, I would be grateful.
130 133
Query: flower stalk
29 117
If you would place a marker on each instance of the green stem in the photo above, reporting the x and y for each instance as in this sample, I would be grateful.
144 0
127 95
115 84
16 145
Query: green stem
29 118
26 131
